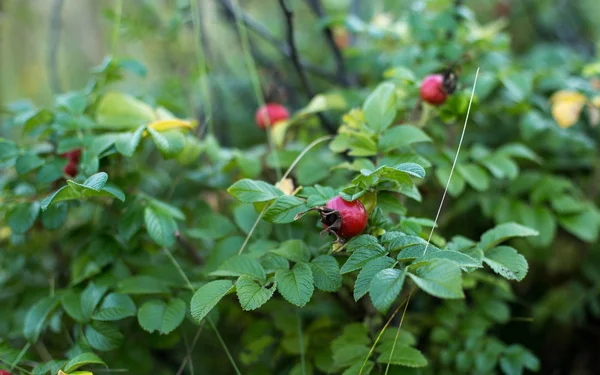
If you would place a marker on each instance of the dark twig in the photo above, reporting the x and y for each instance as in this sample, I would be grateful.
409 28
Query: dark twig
55 28
337 54
289 17
257 28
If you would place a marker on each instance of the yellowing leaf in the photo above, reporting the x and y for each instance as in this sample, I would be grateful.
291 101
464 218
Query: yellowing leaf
81 373
5 233
596 101
566 107
287 186
162 125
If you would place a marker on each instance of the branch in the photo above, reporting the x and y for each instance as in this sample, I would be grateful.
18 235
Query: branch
337 54
55 26
265 34
289 17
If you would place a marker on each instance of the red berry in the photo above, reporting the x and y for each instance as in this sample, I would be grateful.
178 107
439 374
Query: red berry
270 114
3 372
432 89
74 155
70 169
354 216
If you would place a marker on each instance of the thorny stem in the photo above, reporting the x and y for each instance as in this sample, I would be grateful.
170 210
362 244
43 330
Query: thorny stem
289 17
337 54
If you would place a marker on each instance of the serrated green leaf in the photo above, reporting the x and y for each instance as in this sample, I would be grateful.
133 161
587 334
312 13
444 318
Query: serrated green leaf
160 227
157 315
403 356
115 307
296 285
507 262
326 272
252 294
251 191
211 226
294 250
401 136
462 260
362 256
241 265
380 107
90 298
284 209
127 143
103 336
439 277
207 297
83 359
504 232
54 216
37 317
170 143
385 287
366 274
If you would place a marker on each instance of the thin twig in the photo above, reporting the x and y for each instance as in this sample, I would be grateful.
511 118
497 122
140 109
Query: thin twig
55 28
462 135
258 29
337 54
289 18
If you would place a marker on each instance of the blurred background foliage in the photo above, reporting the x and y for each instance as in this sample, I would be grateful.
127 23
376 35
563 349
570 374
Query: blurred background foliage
50 46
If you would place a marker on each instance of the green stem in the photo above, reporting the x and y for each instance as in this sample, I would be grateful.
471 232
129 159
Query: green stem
212 325
202 66
398 333
301 342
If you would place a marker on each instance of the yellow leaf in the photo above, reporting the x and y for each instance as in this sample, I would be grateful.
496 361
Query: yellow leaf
162 125
596 101
81 373
287 186
566 107
5 232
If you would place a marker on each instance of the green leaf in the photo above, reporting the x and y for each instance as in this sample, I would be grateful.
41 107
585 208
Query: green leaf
103 336
462 260
90 298
83 359
170 143
250 191
296 285
366 274
359 144
355 369
294 250
273 262
385 287
8 151
37 316
439 277
212 226
28 162
252 294
380 107
23 216
160 227
115 307
120 111
127 143
97 181
517 150
207 297
52 171
501 166
504 232
401 136
362 256
350 353
457 183
326 272
403 356
53 367
284 209
71 303
475 176
92 187
55 216
157 315
507 262
584 225
142 284
240 265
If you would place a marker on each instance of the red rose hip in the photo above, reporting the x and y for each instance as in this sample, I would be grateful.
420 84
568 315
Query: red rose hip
432 89
270 114
4 372
353 217
70 170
